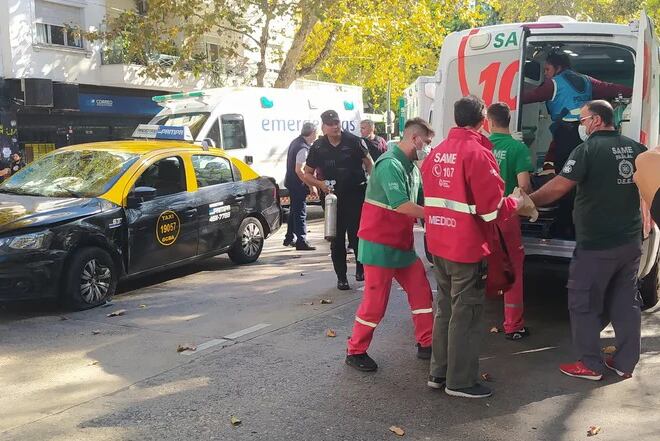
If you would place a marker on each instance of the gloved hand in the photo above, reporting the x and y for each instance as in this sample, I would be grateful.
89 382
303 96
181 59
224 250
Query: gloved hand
518 136
526 206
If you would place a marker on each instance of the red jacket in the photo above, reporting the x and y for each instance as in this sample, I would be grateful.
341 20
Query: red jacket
463 195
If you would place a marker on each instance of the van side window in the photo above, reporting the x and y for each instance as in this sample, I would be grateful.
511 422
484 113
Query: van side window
167 176
211 170
233 131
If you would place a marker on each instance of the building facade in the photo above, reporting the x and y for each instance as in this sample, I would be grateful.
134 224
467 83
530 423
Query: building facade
58 89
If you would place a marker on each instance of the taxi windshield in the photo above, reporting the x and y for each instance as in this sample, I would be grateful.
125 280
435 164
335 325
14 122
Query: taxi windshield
79 173
193 120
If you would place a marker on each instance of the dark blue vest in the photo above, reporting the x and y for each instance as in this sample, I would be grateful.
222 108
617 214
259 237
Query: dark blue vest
291 181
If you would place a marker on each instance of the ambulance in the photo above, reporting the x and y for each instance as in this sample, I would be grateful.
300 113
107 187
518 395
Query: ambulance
257 124
496 63
418 98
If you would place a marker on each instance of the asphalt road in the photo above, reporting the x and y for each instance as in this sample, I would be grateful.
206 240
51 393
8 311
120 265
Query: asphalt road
263 356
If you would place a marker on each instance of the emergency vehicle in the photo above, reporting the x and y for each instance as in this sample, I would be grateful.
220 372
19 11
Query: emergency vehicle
496 63
79 219
418 99
258 124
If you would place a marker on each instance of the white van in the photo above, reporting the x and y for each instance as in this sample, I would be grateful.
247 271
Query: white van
419 98
258 124
486 62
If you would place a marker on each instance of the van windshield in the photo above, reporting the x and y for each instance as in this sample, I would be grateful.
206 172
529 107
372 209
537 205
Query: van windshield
80 173
193 120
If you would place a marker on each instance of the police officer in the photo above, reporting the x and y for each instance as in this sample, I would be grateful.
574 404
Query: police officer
298 190
342 157
603 272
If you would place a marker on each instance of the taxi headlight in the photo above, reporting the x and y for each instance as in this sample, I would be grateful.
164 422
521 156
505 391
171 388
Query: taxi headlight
32 241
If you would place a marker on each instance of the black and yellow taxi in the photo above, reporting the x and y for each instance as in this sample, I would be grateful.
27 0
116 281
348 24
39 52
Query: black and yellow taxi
81 218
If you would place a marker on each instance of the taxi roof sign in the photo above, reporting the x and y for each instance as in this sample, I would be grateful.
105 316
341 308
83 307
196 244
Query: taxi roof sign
153 131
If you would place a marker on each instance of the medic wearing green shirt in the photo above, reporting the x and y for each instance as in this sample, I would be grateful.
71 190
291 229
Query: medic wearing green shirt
386 246
515 164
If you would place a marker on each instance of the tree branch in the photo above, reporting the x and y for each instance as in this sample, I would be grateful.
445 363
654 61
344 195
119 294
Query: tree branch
322 55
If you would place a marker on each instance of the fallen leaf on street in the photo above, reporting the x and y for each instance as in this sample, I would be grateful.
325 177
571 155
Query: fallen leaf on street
330 333
235 421
397 430
302 274
609 350
93 363
186 347
593 431
117 313
486 377
494 330
142 306
308 303
326 301
96 332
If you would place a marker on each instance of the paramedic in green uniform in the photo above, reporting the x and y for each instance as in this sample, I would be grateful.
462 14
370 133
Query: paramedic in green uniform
515 164
386 246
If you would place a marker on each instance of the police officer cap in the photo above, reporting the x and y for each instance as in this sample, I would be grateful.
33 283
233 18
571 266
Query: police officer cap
329 117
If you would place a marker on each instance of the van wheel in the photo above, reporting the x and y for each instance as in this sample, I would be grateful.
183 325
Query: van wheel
249 243
649 287
90 279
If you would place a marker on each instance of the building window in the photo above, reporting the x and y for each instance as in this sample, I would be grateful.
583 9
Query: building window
58 35
55 23
212 51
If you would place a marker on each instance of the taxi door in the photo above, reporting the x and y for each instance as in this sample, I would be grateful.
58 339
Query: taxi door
162 230
216 203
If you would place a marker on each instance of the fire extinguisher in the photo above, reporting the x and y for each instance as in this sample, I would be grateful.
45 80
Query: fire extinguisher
330 224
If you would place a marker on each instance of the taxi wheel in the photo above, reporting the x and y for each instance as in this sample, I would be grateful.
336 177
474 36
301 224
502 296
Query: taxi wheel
249 243
90 280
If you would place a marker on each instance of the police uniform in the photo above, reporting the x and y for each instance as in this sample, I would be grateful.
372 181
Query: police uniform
602 284
343 164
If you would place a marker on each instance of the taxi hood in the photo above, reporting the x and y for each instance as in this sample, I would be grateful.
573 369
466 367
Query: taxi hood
19 211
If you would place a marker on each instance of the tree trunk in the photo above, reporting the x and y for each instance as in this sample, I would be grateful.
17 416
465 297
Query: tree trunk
288 73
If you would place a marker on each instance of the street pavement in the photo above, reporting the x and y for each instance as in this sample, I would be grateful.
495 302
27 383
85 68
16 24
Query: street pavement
263 356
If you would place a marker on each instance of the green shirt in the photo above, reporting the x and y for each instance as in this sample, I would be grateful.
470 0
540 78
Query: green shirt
393 181
513 158
606 212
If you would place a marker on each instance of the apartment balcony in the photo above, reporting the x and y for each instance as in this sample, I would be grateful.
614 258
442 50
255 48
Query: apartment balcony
120 70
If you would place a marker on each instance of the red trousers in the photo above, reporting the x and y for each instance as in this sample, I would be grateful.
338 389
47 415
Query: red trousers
377 285
513 299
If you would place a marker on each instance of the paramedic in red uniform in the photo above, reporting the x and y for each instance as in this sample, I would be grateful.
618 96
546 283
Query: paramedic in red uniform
463 196
386 246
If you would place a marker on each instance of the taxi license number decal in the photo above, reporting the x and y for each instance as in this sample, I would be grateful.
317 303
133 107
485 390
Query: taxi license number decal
168 227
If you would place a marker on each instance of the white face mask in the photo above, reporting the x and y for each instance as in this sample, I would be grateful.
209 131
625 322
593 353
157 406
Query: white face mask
582 131
423 152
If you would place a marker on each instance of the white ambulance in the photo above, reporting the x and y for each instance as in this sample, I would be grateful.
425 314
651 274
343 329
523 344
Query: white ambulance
487 61
256 124
419 98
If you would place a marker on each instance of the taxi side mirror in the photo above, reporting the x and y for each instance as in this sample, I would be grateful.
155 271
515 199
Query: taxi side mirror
140 195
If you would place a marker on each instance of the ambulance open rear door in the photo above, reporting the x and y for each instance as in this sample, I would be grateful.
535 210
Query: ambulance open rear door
645 117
